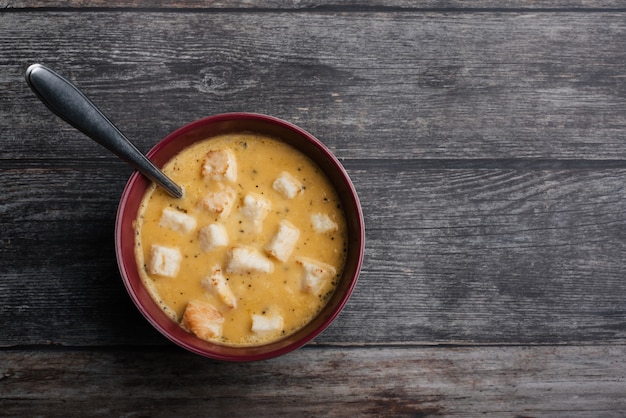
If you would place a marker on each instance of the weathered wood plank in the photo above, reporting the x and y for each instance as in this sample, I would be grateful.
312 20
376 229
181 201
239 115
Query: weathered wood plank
486 140
316 4
483 255
457 85
335 382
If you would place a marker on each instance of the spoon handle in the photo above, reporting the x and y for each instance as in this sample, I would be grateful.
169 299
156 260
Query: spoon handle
70 104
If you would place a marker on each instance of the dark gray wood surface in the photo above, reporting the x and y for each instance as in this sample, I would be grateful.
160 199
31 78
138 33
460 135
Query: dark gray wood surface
487 143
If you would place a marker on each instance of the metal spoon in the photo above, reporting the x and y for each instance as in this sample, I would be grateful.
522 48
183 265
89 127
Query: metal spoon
71 105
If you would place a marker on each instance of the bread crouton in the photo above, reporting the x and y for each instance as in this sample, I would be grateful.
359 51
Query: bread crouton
267 324
216 282
164 261
213 236
220 165
322 223
284 240
243 259
219 202
255 208
287 185
177 220
315 274
203 320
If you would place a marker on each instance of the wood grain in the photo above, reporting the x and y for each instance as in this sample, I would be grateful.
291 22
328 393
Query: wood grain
292 5
452 256
457 86
314 381
486 140
507 167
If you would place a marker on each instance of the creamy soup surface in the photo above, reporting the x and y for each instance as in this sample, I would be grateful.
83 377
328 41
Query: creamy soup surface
253 250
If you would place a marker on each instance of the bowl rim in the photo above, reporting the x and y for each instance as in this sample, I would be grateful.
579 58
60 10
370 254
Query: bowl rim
170 329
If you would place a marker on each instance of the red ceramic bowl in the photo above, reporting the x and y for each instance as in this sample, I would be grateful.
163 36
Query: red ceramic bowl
203 129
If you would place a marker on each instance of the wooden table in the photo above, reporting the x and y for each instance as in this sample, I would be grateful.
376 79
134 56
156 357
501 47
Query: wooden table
487 141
